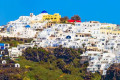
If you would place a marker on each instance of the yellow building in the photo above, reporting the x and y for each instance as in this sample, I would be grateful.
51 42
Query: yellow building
91 48
35 21
54 18
108 26
109 29
106 32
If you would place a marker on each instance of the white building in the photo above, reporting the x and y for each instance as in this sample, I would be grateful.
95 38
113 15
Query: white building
14 52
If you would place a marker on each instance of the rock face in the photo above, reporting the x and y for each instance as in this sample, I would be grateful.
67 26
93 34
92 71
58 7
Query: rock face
113 73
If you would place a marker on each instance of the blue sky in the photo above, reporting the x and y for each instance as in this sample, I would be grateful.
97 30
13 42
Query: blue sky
98 10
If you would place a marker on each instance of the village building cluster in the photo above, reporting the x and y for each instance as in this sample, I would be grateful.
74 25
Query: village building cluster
100 40
6 55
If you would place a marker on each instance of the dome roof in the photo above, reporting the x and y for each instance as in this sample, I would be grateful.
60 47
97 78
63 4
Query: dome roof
44 11
68 37
28 26
2 44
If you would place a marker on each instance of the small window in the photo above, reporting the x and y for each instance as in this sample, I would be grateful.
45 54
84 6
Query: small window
78 24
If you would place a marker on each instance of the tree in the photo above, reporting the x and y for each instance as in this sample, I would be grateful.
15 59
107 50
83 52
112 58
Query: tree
83 45
25 78
75 17
64 19
76 62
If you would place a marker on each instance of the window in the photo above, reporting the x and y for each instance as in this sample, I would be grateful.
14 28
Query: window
103 39
78 24
112 44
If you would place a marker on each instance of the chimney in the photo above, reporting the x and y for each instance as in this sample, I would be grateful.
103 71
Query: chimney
31 14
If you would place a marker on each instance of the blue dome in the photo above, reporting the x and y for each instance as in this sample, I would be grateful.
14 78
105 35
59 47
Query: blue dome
68 37
28 26
2 44
44 11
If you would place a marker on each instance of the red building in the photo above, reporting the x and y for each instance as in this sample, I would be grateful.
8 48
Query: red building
72 21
